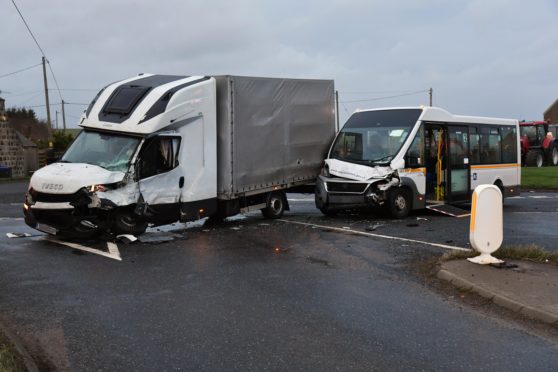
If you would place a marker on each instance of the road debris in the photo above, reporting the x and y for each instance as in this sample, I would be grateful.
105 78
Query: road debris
19 235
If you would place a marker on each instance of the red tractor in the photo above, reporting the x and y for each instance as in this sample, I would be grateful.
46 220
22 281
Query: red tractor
539 144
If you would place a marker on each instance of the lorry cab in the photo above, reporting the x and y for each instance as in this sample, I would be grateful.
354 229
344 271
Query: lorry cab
126 169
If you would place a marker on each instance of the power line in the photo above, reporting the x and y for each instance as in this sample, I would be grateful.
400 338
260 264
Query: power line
18 71
28 29
387 97
55 81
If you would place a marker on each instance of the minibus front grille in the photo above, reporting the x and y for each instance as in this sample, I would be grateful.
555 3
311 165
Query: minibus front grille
346 187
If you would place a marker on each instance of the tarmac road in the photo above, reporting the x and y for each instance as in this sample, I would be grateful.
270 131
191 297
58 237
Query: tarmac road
255 294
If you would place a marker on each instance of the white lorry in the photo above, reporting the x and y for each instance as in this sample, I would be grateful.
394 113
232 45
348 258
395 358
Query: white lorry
155 149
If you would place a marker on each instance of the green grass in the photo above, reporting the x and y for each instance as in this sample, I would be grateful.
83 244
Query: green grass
529 252
10 360
539 178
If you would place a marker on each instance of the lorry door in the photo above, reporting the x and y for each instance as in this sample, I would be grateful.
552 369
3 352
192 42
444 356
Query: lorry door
458 164
161 178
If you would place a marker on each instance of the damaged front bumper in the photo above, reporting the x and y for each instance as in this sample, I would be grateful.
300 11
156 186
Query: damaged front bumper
341 193
80 214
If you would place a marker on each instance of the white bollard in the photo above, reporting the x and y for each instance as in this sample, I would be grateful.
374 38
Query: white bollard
487 223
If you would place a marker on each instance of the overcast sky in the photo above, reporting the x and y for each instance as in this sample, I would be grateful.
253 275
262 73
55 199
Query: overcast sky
481 57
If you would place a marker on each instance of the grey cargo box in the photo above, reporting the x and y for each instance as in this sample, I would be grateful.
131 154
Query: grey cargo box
271 133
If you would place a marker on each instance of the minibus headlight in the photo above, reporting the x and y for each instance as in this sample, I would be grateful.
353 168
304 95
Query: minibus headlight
325 171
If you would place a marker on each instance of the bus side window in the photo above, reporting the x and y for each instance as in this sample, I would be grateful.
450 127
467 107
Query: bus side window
509 144
415 155
491 152
474 146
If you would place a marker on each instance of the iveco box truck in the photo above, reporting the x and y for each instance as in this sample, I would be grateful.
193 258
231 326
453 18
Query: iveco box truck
156 149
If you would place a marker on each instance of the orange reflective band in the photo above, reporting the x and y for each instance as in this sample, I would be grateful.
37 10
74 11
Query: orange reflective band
473 212
495 166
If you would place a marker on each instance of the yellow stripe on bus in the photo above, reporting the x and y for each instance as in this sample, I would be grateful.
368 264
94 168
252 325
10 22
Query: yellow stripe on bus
413 170
495 166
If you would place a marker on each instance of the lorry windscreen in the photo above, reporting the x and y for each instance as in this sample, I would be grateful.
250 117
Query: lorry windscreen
110 151
374 137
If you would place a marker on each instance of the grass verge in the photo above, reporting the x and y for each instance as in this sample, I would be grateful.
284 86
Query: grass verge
10 360
530 252
539 178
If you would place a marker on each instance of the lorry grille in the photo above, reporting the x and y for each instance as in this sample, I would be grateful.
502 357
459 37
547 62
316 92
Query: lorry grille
54 198
346 187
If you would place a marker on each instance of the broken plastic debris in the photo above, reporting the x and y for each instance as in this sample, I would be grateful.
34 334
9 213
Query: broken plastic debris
374 227
346 227
126 238
18 235
422 219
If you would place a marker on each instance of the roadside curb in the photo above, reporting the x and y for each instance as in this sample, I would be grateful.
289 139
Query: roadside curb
29 362
498 299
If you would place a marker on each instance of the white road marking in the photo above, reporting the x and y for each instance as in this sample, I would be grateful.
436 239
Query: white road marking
356 232
11 218
113 248
539 196
301 200
516 197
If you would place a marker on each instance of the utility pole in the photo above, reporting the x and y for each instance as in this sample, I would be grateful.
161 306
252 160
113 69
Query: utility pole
49 123
337 111
56 119
63 116
430 93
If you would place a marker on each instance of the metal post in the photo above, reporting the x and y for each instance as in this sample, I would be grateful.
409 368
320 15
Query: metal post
49 123
337 111
56 119
63 116
430 93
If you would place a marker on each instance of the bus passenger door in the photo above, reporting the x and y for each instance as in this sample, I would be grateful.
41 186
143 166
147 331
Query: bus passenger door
458 164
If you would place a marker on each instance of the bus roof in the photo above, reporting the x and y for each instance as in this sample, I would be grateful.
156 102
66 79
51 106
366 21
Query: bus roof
438 114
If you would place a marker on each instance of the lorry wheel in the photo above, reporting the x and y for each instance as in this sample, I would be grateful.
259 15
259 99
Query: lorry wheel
126 223
399 203
553 156
534 158
275 205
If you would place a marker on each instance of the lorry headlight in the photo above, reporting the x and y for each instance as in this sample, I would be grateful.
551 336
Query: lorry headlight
95 188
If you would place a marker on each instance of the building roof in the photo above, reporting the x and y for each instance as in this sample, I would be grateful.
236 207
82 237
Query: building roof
25 142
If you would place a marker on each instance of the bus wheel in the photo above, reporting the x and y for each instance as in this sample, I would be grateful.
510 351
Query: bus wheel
534 158
399 203
274 205
126 223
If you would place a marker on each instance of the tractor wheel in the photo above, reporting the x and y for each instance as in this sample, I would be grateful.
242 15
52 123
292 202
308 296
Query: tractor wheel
534 158
553 155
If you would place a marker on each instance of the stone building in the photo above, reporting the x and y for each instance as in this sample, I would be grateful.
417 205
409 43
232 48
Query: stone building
16 151
551 113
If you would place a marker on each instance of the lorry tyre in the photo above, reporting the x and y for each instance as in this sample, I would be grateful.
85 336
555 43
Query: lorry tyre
399 203
274 205
534 158
125 222
553 155
328 211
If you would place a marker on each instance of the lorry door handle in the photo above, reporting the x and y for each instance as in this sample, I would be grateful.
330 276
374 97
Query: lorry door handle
181 182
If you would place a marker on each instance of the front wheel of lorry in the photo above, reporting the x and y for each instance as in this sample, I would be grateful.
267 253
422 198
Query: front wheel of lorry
274 205
399 203
125 222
